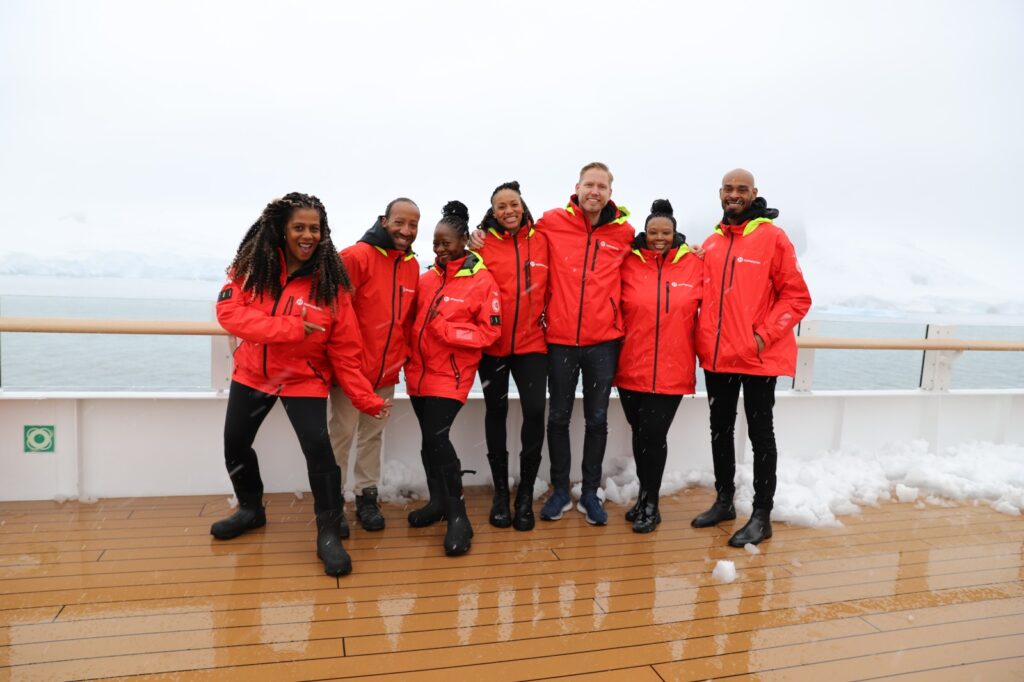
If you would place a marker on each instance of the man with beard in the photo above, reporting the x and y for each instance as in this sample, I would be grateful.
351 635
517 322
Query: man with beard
754 295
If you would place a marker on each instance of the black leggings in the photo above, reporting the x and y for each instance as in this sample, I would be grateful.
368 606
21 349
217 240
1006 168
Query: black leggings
530 372
758 401
247 408
649 415
436 416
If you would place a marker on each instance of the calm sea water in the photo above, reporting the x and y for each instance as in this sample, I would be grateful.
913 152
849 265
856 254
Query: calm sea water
182 363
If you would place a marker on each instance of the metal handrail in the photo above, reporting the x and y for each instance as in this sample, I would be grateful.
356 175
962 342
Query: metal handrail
66 325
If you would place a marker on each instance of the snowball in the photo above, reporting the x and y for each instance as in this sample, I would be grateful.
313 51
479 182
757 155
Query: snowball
725 571
751 548
232 501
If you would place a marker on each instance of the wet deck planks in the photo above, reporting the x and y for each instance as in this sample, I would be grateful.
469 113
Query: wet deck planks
136 587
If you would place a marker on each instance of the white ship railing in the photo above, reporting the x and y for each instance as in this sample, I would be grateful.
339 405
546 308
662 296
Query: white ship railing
127 443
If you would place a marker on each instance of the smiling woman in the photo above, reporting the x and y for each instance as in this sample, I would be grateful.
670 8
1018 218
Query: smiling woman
288 303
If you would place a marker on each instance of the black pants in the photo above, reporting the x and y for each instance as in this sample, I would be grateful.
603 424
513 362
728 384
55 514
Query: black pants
247 408
758 401
649 415
436 416
530 372
598 363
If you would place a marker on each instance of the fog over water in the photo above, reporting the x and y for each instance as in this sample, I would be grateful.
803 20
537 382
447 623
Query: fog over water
886 133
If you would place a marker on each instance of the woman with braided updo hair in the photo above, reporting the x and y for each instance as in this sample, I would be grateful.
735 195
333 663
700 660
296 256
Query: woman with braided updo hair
661 292
458 314
287 301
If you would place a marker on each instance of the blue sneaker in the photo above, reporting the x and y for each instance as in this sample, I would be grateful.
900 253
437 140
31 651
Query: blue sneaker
557 504
590 506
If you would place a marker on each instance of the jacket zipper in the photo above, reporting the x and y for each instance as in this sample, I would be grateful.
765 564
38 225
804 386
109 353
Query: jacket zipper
657 323
583 286
455 369
273 311
732 272
515 316
391 327
426 321
667 291
593 263
721 303
317 372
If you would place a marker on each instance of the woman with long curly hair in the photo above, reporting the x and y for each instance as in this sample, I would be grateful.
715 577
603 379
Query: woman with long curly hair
287 301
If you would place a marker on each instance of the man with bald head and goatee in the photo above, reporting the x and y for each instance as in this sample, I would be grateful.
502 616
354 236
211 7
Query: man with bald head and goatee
754 295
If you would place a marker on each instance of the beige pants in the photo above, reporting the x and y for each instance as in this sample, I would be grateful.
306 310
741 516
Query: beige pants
348 424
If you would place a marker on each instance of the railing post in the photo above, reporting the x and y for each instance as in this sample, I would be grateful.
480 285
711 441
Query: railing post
937 365
804 376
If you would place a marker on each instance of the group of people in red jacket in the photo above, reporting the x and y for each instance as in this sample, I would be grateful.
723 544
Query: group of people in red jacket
575 293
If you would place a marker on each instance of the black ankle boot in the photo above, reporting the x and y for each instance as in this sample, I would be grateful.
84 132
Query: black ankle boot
343 528
433 510
721 510
500 516
327 501
367 510
523 519
648 516
632 512
758 528
249 515
460 531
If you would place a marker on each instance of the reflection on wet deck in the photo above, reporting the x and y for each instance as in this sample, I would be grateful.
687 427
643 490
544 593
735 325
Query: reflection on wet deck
138 587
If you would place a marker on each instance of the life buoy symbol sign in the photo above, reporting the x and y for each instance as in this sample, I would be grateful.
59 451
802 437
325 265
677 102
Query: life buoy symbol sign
39 439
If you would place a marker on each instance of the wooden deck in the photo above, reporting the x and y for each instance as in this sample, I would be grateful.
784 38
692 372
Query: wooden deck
136 587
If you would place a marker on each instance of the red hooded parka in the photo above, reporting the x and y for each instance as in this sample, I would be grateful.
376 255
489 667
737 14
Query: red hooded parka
458 314
752 284
277 357
660 298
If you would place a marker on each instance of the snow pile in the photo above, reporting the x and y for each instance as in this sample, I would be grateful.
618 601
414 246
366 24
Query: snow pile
725 572
815 491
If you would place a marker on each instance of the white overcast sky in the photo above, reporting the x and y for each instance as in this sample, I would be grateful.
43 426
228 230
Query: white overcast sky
164 127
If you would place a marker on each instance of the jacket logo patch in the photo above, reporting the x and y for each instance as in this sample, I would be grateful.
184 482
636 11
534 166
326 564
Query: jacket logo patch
741 259
452 298
225 294
495 306
496 320
537 264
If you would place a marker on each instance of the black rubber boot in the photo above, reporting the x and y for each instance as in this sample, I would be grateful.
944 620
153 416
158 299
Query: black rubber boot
631 513
249 515
327 501
721 510
368 511
500 515
460 531
523 519
343 528
433 510
758 528
648 516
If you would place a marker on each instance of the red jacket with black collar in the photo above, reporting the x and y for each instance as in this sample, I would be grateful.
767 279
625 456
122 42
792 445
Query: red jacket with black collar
458 314
584 284
519 265
660 298
385 281
276 356
752 284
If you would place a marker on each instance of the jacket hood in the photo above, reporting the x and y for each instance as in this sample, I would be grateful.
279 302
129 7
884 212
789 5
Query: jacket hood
608 213
640 241
758 209
379 237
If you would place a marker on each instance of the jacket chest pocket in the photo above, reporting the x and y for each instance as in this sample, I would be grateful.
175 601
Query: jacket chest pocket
455 369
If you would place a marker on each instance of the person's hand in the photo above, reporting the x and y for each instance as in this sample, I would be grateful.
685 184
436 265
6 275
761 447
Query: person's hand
760 342
308 327
477 238
698 251
384 411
